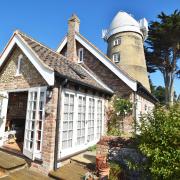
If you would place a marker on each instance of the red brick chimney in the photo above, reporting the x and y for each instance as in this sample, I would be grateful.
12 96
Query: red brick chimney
73 26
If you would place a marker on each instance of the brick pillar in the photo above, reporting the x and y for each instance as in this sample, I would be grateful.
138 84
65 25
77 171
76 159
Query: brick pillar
73 27
49 134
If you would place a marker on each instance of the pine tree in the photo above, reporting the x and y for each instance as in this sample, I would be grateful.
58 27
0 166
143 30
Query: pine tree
163 50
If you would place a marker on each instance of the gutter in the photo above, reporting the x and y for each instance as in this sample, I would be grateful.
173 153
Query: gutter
141 88
134 108
58 119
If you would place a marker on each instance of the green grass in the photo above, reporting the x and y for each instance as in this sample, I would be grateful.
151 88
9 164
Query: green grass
92 148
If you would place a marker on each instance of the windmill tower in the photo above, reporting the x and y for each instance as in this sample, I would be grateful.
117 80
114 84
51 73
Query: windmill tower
125 37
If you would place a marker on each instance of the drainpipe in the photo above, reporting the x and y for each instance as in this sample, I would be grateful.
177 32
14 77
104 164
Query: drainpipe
58 122
135 106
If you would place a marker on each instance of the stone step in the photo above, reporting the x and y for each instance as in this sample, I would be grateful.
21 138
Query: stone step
71 171
25 174
88 157
10 163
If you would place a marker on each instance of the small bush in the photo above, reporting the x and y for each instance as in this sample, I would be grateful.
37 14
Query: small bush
160 142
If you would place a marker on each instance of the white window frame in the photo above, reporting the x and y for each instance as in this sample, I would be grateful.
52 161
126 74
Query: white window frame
76 147
80 58
116 57
18 70
117 41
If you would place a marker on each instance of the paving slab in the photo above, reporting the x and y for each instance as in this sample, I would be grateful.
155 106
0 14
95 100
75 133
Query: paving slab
9 162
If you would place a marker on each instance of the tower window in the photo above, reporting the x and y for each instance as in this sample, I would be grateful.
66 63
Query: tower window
80 55
116 57
117 41
19 64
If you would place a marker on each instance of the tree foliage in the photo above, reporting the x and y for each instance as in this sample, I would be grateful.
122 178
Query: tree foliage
163 49
159 93
160 142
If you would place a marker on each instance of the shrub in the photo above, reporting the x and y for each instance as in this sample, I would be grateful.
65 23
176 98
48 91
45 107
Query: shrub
160 142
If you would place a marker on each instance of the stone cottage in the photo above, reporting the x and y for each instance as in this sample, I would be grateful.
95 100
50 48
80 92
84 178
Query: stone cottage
53 103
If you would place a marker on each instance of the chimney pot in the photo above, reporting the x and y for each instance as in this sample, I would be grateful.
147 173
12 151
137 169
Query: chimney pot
73 23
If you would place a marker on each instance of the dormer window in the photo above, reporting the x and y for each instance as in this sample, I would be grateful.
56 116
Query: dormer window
117 41
116 57
19 64
80 55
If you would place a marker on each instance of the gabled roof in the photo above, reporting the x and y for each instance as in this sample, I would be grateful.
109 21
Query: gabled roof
53 62
46 71
126 78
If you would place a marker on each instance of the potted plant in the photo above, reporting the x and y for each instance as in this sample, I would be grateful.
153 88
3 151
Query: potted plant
102 167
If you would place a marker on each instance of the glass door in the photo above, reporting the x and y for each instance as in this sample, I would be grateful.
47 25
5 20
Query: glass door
81 119
34 123
3 112
68 121
91 120
99 118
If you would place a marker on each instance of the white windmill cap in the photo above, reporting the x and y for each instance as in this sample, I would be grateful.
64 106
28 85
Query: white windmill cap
122 22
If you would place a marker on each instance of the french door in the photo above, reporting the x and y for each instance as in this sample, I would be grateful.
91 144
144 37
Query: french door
91 119
99 118
3 112
81 122
68 121
34 122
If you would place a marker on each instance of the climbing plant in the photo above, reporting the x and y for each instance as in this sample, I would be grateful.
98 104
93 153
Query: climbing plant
120 109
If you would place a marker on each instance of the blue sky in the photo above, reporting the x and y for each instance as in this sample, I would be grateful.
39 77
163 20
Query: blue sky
46 20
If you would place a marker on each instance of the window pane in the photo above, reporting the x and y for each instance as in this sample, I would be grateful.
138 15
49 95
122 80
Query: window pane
65 125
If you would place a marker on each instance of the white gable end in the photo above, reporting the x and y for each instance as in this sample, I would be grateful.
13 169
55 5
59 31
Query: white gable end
47 73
